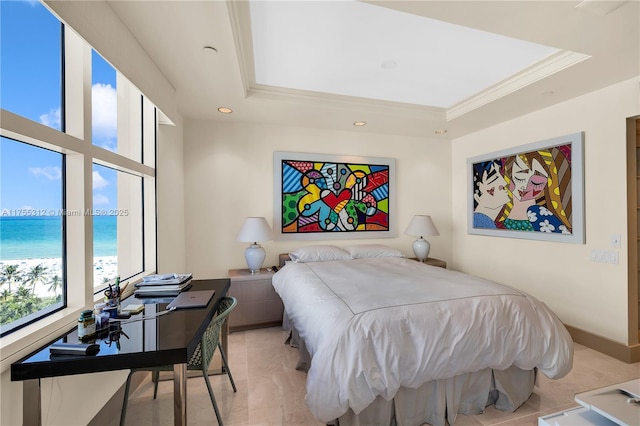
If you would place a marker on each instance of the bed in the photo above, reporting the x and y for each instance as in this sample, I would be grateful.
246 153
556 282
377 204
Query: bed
387 340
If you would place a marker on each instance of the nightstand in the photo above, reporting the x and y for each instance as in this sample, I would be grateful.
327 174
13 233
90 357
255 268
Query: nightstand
258 303
433 262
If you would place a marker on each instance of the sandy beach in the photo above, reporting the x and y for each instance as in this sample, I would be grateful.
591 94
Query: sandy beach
104 267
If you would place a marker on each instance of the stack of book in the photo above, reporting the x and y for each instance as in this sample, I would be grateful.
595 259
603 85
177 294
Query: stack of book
165 285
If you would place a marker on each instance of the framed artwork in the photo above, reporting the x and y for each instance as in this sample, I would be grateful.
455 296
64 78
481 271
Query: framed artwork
533 191
326 197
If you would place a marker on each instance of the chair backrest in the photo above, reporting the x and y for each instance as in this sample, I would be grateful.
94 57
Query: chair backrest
204 352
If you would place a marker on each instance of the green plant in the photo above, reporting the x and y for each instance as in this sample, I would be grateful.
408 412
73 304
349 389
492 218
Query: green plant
19 301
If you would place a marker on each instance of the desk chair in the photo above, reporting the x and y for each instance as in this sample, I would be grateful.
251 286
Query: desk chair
200 359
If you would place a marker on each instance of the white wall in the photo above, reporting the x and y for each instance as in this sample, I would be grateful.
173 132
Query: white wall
170 190
588 295
229 175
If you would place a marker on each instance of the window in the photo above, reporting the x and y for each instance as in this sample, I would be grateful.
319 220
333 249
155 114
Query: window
74 214
104 103
117 225
31 233
30 53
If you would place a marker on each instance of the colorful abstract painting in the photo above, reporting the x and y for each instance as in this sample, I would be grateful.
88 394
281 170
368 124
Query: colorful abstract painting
332 197
533 191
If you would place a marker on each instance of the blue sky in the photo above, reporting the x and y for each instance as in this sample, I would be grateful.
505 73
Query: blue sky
30 82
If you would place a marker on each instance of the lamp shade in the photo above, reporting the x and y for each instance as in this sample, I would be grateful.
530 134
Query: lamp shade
421 226
255 229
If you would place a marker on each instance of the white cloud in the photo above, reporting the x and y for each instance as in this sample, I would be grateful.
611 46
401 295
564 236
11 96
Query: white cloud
51 173
104 115
52 119
98 181
100 199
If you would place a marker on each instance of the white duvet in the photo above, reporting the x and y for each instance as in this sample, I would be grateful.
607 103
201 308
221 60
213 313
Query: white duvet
374 325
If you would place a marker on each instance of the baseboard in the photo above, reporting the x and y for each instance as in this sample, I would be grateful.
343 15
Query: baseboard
236 328
113 407
625 353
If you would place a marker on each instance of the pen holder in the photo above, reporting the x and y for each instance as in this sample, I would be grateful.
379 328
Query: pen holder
112 306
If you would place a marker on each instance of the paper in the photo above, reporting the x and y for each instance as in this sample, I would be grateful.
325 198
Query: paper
166 279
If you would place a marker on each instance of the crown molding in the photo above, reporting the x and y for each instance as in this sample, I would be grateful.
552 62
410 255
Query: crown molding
551 65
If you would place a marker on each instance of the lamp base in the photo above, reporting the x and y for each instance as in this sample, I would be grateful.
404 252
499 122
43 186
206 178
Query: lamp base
421 249
254 255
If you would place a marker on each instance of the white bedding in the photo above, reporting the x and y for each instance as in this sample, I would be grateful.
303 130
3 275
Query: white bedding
372 326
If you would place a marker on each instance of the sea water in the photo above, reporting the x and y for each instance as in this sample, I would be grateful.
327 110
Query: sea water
40 237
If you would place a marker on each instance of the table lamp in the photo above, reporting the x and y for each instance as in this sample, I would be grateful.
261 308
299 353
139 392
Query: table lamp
253 230
421 226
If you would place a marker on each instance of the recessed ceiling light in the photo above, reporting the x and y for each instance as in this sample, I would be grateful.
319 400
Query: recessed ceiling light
441 131
359 123
225 110
210 48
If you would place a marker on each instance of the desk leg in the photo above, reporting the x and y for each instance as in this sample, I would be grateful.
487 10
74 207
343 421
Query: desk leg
31 404
180 394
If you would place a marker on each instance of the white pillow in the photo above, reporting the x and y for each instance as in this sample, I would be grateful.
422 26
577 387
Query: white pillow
320 253
372 250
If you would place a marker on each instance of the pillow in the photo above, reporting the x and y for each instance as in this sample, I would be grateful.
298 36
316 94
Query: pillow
372 250
320 253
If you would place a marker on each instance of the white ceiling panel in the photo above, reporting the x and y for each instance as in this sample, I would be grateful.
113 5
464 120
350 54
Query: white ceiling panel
367 51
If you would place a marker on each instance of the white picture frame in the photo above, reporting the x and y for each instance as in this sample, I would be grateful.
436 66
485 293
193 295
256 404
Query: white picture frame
560 160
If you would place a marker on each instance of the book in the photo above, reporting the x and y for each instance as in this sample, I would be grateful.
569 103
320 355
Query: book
165 287
164 279
160 291
133 308
160 277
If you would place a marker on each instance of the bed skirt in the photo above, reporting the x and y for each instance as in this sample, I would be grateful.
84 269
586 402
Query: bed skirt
439 401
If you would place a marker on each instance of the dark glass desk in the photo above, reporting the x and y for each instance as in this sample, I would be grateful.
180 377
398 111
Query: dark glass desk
168 339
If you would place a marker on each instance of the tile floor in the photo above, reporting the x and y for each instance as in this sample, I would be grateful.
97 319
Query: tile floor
271 391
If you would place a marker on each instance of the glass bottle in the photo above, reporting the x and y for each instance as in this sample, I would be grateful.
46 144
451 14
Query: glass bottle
86 325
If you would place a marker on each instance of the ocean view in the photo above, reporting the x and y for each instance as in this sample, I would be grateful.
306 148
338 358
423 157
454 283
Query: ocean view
40 237
37 240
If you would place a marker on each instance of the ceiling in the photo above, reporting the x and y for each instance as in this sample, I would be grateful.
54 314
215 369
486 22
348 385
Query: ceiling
330 64
374 52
